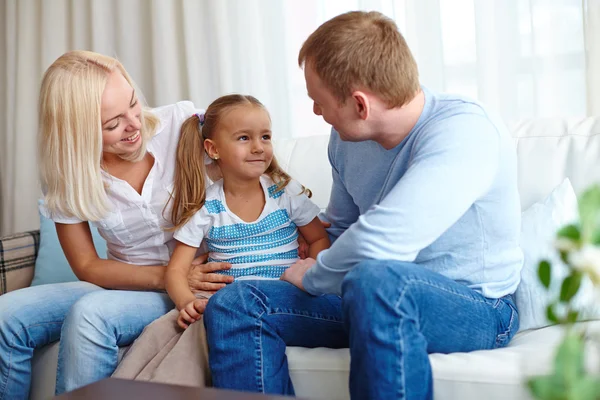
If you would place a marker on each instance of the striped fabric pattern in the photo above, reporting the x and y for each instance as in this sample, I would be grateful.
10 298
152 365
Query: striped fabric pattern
261 249
243 247
17 260
237 231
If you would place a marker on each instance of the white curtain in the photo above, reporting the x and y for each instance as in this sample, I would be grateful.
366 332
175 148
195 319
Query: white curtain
523 58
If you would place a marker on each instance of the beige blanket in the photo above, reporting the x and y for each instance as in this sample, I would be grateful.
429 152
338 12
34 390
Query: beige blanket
165 353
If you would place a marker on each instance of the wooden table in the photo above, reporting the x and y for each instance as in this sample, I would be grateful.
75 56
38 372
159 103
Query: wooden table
121 389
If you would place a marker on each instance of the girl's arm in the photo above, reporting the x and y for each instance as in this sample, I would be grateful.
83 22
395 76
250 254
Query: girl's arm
78 246
316 237
176 280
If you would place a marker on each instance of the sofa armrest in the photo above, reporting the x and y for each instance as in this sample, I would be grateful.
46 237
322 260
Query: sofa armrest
17 260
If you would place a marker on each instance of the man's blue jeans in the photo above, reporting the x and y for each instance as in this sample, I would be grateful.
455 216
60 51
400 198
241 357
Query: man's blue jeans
391 315
90 322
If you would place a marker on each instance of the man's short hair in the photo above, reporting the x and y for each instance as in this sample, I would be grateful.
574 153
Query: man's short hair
362 51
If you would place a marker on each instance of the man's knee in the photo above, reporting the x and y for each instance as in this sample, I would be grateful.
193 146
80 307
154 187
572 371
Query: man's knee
370 281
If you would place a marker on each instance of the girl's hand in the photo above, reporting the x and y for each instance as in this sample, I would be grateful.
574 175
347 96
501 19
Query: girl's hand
201 276
303 246
191 313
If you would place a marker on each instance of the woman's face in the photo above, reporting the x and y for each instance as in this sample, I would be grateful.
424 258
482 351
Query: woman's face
121 116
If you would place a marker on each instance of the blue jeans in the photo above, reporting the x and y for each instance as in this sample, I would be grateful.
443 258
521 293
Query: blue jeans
391 315
90 322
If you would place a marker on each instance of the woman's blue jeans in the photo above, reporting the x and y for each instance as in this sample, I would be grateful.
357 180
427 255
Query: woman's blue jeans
391 315
90 322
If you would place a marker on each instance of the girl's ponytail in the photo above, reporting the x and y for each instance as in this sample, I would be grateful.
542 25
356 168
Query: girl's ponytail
282 178
189 190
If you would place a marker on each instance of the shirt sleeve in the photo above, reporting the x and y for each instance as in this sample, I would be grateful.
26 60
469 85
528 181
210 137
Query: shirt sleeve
453 165
301 208
54 216
194 231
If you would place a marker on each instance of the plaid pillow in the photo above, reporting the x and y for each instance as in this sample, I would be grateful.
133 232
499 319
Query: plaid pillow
17 260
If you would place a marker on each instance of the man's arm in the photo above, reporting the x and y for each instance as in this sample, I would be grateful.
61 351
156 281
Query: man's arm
341 210
451 169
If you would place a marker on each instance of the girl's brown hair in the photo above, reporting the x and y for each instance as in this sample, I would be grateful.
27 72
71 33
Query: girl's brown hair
189 190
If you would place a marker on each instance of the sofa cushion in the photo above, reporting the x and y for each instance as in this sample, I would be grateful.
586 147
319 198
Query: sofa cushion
51 265
539 224
487 374
323 373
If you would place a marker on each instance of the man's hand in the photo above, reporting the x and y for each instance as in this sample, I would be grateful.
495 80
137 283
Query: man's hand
191 313
295 273
202 277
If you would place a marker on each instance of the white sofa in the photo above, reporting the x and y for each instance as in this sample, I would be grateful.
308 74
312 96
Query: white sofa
548 150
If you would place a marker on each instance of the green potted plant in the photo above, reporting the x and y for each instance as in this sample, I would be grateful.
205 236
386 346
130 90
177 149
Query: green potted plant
579 248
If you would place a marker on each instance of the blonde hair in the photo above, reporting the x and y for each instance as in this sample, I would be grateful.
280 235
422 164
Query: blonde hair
189 190
362 50
70 135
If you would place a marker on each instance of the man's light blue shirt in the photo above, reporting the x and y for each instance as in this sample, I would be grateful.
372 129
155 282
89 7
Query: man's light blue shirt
444 198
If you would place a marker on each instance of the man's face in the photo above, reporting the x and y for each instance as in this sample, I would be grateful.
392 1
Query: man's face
342 118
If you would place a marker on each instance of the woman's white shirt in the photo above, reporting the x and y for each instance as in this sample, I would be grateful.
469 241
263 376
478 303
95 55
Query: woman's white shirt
135 228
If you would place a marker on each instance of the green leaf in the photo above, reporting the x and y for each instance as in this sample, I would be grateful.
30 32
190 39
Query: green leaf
595 240
544 273
572 316
564 257
546 388
550 314
586 388
589 212
570 232
568 363
570 286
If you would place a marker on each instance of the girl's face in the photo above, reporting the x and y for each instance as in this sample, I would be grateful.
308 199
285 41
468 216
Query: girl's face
242 142
121 116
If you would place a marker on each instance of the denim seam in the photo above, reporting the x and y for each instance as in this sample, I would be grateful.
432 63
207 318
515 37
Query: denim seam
402 394
416 280
297 313
261 376
11 346
501 338
259 361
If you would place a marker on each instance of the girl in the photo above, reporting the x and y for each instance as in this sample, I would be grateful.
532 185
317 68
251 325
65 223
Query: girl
251 217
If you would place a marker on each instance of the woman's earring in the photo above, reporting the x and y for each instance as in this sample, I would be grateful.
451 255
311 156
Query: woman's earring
215 157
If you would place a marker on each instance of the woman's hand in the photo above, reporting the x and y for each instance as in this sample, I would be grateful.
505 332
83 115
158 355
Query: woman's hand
202 277
191 313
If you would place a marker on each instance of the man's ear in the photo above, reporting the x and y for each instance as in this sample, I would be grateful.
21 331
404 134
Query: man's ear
211 149
361 104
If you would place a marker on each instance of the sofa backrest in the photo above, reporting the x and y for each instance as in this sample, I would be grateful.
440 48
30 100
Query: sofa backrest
548 151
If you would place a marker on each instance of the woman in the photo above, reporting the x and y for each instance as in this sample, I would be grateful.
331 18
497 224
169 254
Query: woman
103 159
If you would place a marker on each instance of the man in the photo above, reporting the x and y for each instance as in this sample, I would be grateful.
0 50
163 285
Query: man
425 222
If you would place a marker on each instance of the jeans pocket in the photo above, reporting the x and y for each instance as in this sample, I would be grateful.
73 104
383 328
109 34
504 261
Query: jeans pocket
508 321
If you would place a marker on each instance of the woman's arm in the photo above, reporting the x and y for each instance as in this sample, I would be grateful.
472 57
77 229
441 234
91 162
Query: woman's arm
76 242
78 246
176 280
316 237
